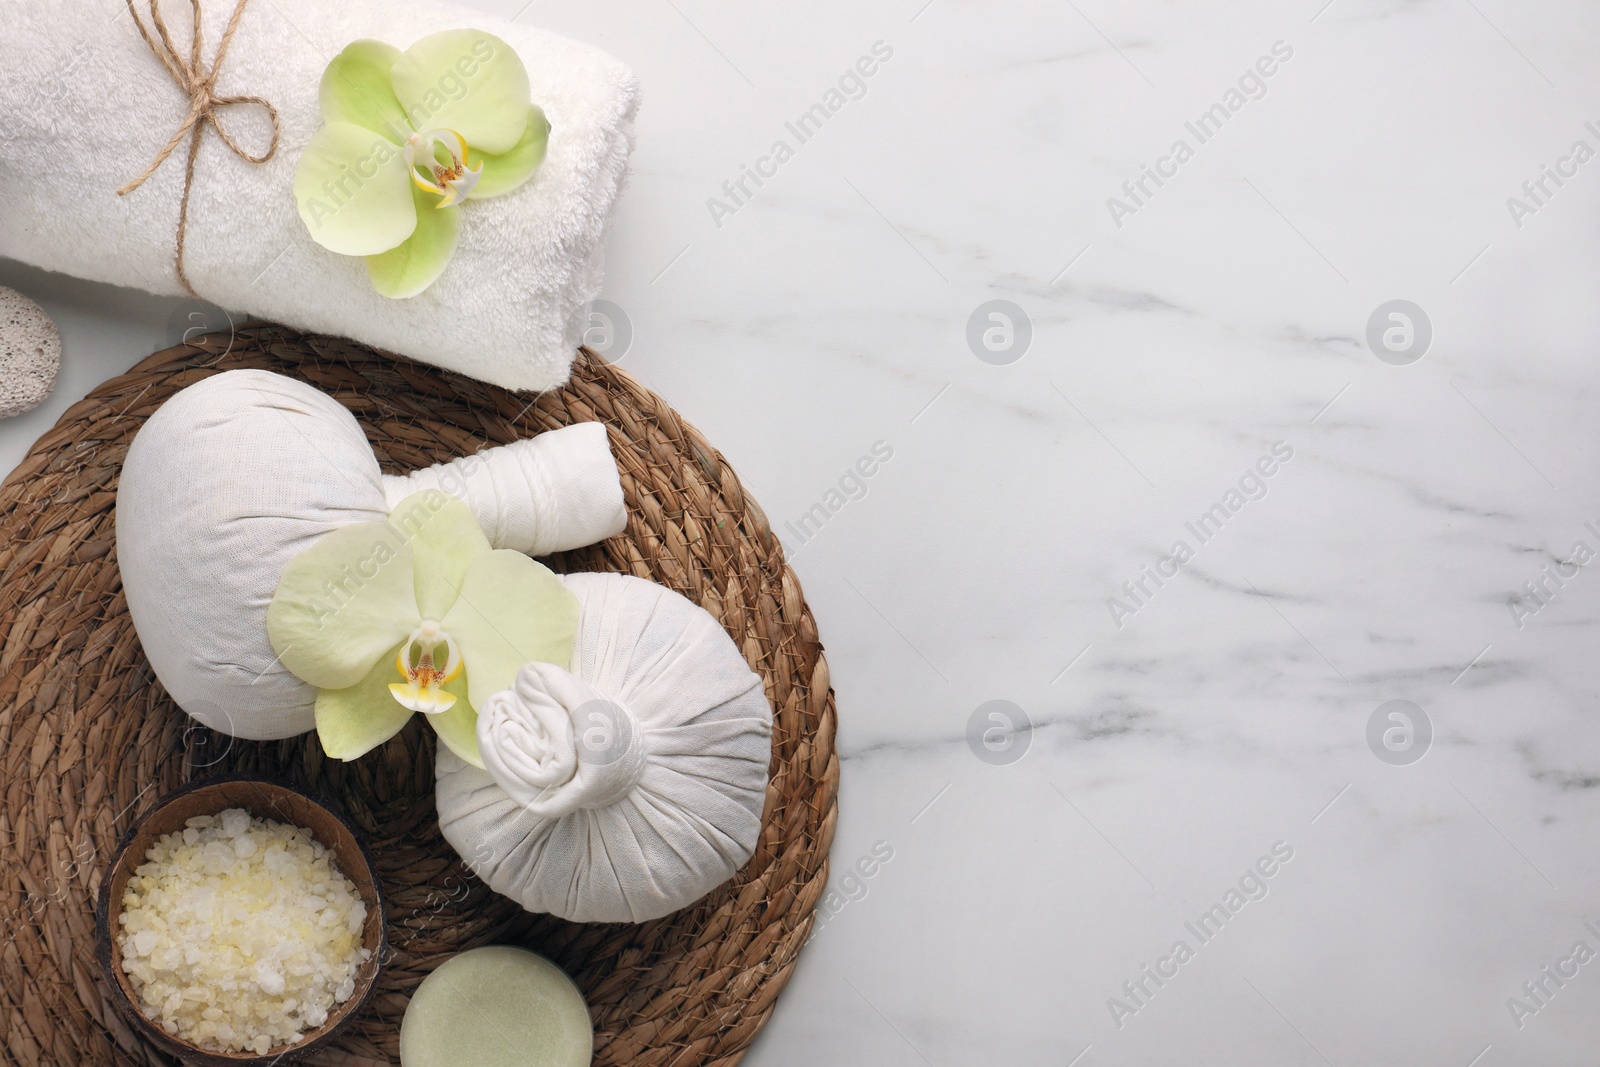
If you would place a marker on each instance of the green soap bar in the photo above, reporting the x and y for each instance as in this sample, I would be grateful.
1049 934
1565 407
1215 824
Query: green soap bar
497 1007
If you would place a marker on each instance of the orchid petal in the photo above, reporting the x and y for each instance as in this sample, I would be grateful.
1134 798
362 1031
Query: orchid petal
356 88
511 610
416 263
341 603
458 727
445 538
353 191
468 81
507 171
355 720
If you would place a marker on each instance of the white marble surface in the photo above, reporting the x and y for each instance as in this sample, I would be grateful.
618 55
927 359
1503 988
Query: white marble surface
1227 313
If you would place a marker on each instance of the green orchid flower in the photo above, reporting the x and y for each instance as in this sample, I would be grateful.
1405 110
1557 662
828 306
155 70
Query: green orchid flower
416 614
408 137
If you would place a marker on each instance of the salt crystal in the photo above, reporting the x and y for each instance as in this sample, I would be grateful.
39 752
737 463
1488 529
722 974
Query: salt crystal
269 979
239 935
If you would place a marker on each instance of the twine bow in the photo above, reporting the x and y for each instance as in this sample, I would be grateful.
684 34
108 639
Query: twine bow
204 103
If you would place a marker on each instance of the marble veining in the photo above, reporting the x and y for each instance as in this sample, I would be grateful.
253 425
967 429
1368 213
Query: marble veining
1013 890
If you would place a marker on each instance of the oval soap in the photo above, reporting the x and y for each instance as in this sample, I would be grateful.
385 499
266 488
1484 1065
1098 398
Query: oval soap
497 1007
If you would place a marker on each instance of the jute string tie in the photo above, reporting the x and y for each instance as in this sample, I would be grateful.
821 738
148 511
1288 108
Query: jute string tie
199 83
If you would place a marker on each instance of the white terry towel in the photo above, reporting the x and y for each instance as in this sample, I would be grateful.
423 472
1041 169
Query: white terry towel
85 105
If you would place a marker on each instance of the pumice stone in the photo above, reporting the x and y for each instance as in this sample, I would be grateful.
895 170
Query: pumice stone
30 353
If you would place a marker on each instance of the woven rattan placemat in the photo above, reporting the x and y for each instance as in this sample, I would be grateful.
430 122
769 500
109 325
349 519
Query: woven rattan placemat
88 738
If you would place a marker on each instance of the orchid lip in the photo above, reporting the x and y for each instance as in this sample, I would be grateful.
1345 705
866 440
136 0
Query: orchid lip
453 182
423 687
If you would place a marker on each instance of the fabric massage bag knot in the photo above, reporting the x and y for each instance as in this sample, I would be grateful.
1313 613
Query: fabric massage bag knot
603 744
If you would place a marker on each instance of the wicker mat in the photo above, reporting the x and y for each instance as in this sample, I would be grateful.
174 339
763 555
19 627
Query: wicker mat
88 738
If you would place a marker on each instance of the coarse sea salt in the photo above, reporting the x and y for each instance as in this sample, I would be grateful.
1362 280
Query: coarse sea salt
240 934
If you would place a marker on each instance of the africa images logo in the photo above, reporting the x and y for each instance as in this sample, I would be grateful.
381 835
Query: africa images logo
1138 592
1251 85
1252 886
850 85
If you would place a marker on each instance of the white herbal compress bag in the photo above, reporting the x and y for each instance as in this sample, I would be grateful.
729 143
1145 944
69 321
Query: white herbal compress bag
628 785
238 474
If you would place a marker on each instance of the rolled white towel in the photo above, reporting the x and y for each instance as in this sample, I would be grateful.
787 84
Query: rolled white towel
236 475
540 495
85 105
